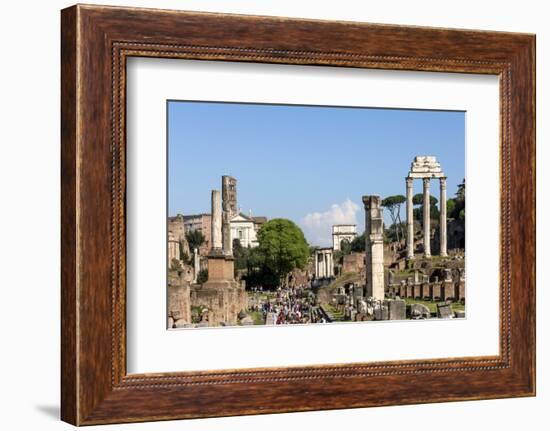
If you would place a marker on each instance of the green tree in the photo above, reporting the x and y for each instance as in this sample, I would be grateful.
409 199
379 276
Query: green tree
460 202
184 257
393 205
461 191
337 256
345 246
283 247
240 254
418 213
263 277
257 273
393 231
195 239
451 204
418 199
358 243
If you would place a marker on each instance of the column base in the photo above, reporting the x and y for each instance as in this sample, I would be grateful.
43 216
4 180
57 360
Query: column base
220 268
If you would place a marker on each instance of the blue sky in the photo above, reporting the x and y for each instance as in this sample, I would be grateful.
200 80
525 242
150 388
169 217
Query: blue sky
306 163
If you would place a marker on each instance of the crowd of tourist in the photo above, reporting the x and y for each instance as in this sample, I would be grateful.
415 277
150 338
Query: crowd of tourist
291 305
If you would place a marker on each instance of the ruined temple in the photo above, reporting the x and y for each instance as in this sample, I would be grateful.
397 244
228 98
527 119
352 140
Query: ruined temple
220 298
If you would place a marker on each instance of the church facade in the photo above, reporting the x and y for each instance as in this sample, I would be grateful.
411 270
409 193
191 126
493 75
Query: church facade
245 229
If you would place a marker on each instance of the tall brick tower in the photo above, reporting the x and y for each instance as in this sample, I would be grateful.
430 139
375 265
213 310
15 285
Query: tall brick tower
229 195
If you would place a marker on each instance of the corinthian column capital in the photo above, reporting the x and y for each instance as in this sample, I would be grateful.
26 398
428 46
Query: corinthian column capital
426 182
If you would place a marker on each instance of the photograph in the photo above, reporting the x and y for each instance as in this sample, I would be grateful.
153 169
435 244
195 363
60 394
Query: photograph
275 215
283 214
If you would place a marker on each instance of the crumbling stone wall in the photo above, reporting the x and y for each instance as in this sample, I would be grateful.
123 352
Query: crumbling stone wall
223 303
179 304
353 262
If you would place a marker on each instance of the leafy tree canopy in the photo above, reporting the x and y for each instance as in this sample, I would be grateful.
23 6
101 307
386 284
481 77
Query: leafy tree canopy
391 201
345 246
451 204
283 246
358 243
456 209
418 199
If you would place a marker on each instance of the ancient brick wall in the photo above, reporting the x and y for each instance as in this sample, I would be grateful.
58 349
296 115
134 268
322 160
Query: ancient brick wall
353 262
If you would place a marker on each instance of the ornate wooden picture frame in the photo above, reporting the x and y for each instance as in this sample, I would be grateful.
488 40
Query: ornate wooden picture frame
96 42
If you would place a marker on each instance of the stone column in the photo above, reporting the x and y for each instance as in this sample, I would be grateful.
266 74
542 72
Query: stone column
410 220
196 262
227 244
216 221
374 247
427 251
443 216
318 264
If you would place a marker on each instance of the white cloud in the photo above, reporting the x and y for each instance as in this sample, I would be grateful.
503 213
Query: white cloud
317 226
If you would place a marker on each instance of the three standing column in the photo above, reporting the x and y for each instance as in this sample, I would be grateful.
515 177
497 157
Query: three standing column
426 168
410 220
427 249
443 216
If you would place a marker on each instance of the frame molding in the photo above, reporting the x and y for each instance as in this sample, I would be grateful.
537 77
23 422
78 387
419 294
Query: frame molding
95 42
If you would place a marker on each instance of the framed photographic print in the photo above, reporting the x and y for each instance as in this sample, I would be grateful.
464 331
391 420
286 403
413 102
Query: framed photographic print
331 214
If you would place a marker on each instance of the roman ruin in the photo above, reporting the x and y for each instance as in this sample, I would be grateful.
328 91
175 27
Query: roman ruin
426 168
374 247
324 266
343 232
229 195
383 281
221 295
220 298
